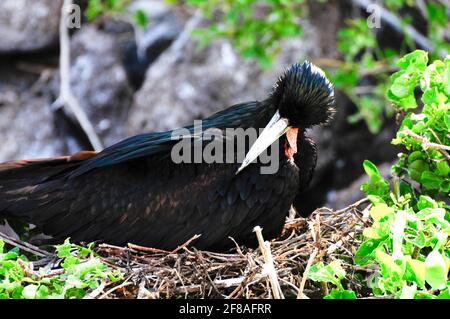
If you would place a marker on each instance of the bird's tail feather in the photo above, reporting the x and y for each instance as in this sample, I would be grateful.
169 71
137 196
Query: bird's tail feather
26 185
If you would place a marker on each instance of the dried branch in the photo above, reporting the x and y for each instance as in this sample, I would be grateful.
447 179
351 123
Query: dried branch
66 97
427 144
395 22
25 246
270 268
300 294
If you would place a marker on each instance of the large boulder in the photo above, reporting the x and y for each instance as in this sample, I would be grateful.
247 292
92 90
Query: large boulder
28 25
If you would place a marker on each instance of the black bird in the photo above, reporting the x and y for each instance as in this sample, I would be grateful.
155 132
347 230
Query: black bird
133 191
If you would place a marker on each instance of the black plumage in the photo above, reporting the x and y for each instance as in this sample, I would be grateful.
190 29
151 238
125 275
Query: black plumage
133 191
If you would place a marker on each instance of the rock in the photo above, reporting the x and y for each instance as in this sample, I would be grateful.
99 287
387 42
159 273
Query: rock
99 81
187 84
27 130
28 25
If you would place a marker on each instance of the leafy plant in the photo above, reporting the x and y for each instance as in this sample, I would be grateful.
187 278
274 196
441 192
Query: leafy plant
110 8
332 273
79 273
408 240
256 28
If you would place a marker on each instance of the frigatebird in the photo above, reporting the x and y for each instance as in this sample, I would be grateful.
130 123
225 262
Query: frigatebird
135 192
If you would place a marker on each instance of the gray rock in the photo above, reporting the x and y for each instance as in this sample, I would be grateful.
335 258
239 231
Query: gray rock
27 130
190 84
99 81
28 25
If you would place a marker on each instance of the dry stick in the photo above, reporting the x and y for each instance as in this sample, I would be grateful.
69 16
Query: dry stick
396 23
25 246
148 249
267 255
305 274
66 97
195 237
353 206
162 251
124 284
426 143
95 293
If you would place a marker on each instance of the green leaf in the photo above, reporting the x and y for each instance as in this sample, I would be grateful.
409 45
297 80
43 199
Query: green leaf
332 273
417 59
341 294
445 294
443 168
426 202
364 254
381 211
42 292
430 180
29 292
436 270
387 264
140 18
408 292
415 271
371 170
63 250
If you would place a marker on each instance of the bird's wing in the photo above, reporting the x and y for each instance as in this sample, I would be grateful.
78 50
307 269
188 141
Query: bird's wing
161 142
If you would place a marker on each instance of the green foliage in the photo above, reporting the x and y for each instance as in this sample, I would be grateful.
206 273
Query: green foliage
256 28
80 272
424 135
365 60
110 8
408 240
332 273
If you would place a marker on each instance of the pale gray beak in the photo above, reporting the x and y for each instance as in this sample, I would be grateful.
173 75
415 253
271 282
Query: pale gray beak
276 128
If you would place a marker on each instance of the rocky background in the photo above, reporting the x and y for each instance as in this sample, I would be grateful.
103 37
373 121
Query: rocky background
131 82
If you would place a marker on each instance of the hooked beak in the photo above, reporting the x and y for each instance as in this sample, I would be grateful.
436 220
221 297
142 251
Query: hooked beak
276 128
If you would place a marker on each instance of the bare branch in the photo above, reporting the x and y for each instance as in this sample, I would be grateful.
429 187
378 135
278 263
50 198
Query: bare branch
66 97
395 22
427 144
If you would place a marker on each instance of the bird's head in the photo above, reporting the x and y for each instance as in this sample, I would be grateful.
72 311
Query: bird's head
303 97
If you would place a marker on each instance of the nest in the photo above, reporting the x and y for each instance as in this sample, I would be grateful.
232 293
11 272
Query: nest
274 270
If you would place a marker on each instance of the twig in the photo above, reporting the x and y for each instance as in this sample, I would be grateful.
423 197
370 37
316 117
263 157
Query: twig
147 249
397 24
162 251
95 293
25 246
305 274
124 284
267 254
66 97
426 143
195 237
